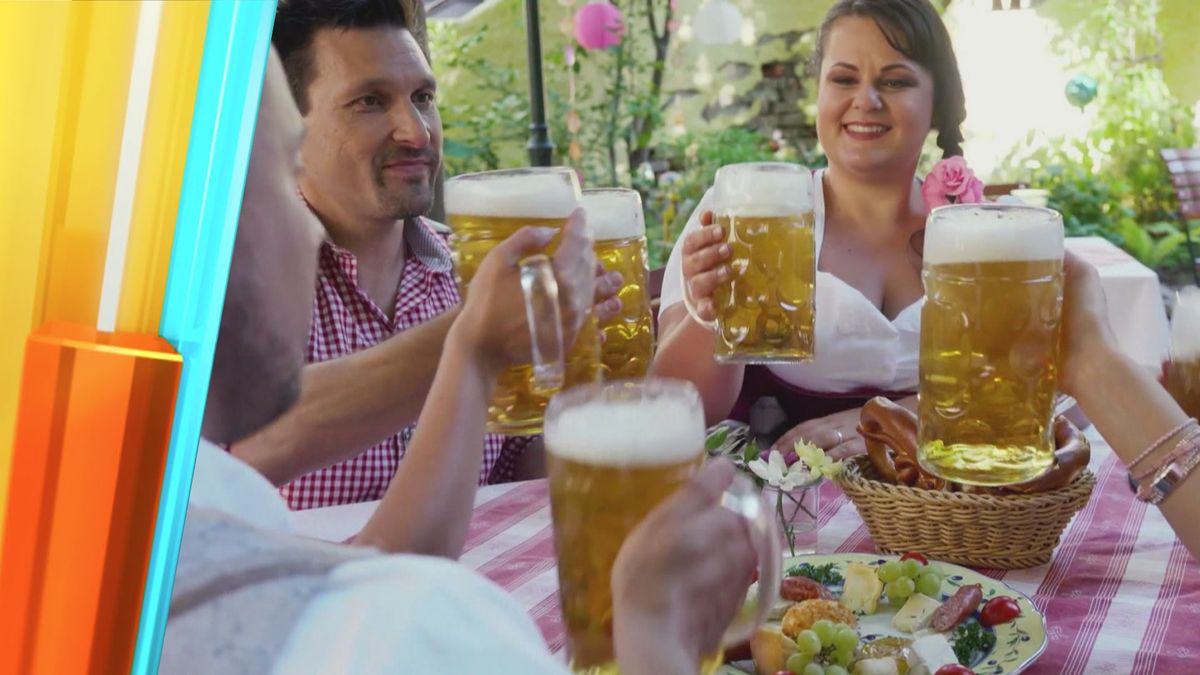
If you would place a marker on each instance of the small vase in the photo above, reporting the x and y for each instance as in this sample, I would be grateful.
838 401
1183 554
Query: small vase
796 512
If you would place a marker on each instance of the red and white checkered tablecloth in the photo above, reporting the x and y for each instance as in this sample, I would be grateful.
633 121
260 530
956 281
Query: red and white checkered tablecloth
1121 594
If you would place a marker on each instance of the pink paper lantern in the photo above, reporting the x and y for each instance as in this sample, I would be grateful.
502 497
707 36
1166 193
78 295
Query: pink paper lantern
599 25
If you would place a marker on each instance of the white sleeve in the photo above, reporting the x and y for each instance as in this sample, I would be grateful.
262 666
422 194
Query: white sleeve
414 614
225 483
672 288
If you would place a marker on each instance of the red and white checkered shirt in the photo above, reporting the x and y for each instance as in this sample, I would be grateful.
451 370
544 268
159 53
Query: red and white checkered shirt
346 320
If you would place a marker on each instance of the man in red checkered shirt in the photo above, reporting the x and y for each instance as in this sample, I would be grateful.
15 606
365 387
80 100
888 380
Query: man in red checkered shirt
386 291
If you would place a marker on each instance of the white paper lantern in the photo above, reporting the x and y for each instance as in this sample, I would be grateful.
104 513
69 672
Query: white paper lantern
717 22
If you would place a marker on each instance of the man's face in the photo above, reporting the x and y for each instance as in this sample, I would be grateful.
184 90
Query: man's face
268 303
374 139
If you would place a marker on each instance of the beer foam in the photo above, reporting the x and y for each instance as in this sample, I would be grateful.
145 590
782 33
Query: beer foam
628 433
743 191
968 234
1185 325
512 194
614 214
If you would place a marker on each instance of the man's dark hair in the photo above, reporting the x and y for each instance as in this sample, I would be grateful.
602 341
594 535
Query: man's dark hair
297 21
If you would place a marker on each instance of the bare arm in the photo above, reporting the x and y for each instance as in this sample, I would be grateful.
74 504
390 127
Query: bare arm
1129 408
350 403
685 352
685 348
427 506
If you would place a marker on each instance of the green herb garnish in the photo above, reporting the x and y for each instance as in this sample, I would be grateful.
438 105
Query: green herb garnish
822 574
969 639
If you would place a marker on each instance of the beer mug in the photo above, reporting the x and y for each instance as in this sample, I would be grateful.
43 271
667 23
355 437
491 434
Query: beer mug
1183 371
989 342
765 311
486 208
614 452
615 216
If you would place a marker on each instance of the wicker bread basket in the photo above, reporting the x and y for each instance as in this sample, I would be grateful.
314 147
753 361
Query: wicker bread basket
979 530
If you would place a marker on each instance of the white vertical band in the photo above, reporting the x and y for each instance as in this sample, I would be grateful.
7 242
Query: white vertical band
149 16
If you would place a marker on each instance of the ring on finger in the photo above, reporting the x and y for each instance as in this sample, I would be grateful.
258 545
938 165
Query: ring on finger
840 437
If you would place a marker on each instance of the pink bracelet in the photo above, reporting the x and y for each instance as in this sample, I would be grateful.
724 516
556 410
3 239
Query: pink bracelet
1184 459
1155 445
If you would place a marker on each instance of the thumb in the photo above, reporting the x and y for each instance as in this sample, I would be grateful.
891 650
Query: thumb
577 238
524 242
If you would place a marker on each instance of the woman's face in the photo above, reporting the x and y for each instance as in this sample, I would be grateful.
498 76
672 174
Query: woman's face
874 105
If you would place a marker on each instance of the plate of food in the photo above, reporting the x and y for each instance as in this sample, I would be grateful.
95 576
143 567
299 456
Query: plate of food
869 614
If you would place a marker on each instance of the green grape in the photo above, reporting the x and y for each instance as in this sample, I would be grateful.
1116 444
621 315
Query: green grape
933 569
814 669
836 670
845 639
824 629
843 657
910 568
896 602
900 589
931 585
796 663
889 572
808 642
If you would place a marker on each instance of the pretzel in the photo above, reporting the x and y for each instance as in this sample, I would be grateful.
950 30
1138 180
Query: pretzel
890 432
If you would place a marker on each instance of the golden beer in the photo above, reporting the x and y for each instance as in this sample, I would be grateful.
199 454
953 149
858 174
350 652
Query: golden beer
618 225
989 342
1183 372
486 208
765 313
614 452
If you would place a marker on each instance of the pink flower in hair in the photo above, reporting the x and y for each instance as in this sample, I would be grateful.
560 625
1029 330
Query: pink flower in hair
951 181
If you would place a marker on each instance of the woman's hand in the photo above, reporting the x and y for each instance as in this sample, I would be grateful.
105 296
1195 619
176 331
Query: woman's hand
836 434
704 256
1086 336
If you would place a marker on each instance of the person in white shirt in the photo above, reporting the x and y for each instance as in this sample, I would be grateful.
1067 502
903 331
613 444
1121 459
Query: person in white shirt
250 596
887 79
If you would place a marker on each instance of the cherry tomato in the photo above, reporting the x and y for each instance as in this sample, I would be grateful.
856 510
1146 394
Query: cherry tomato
1001 609
954 669
913 555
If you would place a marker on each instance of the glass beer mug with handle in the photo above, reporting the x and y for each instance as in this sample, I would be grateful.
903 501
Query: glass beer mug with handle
615 451
484 209
615 216
1183 371
765 311
989 342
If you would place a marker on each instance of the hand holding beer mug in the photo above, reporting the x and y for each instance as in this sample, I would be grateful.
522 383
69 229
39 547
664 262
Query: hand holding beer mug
989 342
615 451
1183 371
619 228
765 308
486 208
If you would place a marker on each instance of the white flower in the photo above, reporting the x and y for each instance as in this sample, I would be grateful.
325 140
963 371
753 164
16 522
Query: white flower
777 474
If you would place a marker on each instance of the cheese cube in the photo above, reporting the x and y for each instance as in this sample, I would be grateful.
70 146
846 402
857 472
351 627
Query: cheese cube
884 666
915 614
928 653
861 589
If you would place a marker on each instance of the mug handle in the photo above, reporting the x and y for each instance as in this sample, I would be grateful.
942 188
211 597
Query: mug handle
544 318
745 499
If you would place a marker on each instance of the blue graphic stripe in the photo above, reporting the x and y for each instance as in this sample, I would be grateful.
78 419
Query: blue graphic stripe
231 76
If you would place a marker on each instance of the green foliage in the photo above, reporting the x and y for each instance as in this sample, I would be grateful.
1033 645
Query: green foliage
1111 181
671 199
495 116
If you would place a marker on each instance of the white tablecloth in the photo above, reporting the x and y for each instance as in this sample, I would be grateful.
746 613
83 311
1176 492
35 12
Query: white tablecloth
1135 305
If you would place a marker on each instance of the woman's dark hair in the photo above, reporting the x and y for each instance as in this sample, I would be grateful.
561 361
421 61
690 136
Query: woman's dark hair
297 21
913 28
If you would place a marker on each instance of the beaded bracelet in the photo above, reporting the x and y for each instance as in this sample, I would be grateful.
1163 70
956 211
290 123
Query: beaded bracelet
1155 445
1184 458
